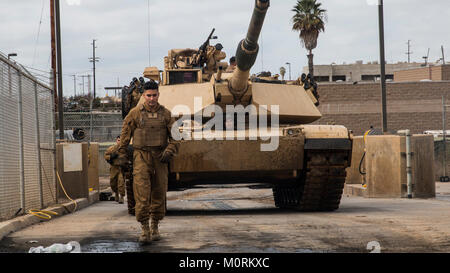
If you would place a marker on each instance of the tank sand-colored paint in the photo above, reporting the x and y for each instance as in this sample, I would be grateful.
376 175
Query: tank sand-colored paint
217 112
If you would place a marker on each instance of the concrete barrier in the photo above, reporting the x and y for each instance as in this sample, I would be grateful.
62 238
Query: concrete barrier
353 175
385 167
93 170
103 166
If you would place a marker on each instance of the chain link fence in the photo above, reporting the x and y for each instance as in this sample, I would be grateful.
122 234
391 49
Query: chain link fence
27 143
97 126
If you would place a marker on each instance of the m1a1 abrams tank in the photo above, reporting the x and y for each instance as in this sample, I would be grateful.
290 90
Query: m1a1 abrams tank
221 120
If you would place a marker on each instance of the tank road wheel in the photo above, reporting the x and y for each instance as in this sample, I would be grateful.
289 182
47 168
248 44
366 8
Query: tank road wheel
320 186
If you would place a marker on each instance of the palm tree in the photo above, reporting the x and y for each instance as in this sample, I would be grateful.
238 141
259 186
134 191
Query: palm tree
282 72
309 19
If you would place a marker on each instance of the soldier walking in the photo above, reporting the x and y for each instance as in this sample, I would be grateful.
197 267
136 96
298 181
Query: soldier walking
116 179
149 124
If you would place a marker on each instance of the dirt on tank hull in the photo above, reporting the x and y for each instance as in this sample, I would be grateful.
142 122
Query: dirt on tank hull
234 128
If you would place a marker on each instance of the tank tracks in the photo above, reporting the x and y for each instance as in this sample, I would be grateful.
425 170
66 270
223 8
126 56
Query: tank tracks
320 186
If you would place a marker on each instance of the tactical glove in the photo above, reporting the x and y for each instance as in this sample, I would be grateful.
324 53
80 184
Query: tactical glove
114 156
166 156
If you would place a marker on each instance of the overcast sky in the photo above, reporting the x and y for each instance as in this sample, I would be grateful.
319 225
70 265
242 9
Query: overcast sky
121 30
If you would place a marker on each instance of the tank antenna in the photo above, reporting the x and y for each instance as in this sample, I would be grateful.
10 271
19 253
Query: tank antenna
148 21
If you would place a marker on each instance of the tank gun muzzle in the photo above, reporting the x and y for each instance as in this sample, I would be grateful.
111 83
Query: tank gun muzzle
247 50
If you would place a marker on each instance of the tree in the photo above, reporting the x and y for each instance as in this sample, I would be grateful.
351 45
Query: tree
309 19
282 72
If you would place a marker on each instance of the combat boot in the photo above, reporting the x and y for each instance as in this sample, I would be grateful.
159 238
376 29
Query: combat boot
120 199
146 237
155 232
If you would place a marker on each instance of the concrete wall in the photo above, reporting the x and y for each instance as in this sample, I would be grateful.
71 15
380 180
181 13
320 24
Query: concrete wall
415 105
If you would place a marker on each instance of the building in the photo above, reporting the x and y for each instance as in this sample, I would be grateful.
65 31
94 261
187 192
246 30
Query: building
359 71
426 73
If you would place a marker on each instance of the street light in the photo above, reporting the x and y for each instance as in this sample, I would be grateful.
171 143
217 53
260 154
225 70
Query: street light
289 70
9 71
12 55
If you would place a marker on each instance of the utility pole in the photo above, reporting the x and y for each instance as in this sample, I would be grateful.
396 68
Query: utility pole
89 85
443 58
59 67
91 99
81 87
74 85
82 77
444 158
382 66
53 52
426 57
409 51
93 60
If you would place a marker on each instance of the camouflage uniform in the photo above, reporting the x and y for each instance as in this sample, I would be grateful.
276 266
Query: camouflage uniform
150 130
116 177
230 69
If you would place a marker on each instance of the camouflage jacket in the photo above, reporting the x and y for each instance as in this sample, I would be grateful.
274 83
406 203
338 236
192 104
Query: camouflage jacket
134 120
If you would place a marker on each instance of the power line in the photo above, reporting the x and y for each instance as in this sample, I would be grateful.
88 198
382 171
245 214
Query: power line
39 31
29 67
48 71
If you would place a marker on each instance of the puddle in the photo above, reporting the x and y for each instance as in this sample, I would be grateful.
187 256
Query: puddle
109 246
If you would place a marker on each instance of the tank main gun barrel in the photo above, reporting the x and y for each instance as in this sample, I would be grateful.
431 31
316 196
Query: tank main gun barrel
247 50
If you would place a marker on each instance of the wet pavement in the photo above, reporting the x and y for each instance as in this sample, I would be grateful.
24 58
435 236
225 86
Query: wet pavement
234 220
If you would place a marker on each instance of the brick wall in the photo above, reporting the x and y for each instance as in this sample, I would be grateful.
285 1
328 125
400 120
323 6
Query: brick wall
435 73
446 73
414 105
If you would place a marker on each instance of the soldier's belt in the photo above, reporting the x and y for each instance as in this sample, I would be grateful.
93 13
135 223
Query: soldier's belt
150 149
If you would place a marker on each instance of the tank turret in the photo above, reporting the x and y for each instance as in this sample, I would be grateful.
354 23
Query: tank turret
250 130
247 50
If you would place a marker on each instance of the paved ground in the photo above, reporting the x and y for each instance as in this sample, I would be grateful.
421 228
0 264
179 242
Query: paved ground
245 220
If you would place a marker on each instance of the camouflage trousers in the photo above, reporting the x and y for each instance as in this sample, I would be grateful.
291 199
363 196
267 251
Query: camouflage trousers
150 178
116 180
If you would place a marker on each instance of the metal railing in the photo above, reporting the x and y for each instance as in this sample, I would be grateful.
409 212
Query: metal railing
27 143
